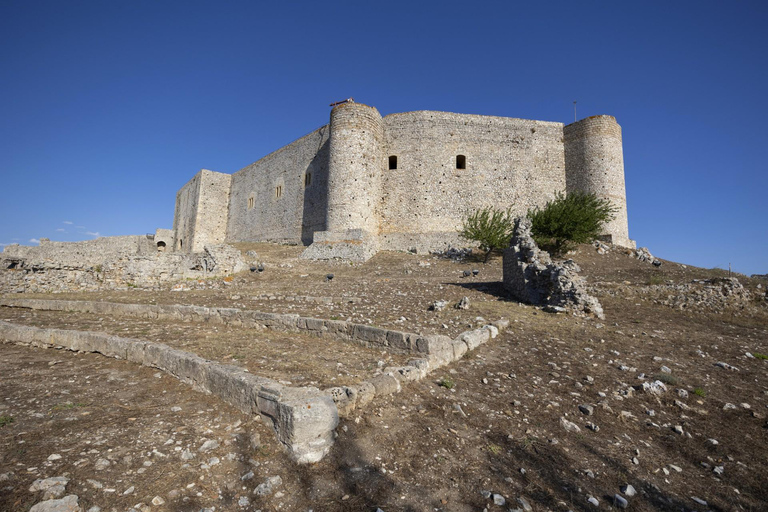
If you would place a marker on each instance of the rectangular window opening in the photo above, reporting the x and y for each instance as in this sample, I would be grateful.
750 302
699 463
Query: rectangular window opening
392 162
461 162
307 179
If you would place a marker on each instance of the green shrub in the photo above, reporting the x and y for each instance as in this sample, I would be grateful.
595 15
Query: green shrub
571 219
447 383
700 392
490 228
759 355
667 379
5 420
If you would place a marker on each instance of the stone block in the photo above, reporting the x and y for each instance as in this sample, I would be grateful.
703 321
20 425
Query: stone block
475 338
345 399
305 423
338 328
385 384
370 334
231 384
399 340
459 348
433 343
365 393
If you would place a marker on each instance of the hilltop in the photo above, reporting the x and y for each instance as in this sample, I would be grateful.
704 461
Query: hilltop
668 394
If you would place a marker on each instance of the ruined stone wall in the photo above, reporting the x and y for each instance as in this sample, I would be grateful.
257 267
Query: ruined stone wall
80 254
109 263
594 162
508 162
298 174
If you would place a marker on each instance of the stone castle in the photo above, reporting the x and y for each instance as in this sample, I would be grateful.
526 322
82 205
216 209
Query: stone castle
365 183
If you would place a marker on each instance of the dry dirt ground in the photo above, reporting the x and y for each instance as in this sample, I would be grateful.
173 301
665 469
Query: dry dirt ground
493 423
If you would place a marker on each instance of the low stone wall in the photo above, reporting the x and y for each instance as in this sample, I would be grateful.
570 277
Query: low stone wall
76 266
304 418
435 351
440 350
396 341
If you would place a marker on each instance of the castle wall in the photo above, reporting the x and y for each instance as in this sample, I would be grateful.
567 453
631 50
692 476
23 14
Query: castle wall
509 162
200 218
595 164
256 213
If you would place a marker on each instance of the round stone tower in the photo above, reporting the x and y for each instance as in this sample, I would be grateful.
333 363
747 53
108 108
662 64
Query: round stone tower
594 163
355 164
354 169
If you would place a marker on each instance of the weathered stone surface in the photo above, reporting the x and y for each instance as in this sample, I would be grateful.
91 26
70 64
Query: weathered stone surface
109 263
65 504
385 384
531 276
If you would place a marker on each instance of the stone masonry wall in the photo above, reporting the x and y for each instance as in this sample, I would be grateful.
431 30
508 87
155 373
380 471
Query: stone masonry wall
301 170
408 180
509 162
185 214
594 161
212 207
80 254
355 169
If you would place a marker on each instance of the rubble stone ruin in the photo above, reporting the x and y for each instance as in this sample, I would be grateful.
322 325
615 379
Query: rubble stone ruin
532 277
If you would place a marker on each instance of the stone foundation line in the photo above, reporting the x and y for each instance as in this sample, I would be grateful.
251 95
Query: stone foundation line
304 418
369 336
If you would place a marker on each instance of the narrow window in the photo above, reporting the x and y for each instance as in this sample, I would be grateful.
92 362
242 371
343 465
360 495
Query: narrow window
461 162
161 246
307 179
251 202
278 192
392 162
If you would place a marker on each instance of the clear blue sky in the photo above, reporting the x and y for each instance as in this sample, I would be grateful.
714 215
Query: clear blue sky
107 108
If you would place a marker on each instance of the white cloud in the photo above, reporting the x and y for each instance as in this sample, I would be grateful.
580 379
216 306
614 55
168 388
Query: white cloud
68 222
34 241
93 233
61 230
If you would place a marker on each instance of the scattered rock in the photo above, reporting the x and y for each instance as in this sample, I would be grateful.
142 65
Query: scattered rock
438 305
628 490
569 425
619 501
269 486
463 303
209 445
65 504
654 388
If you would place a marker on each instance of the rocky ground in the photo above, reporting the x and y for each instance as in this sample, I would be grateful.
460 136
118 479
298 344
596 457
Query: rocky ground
668 395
